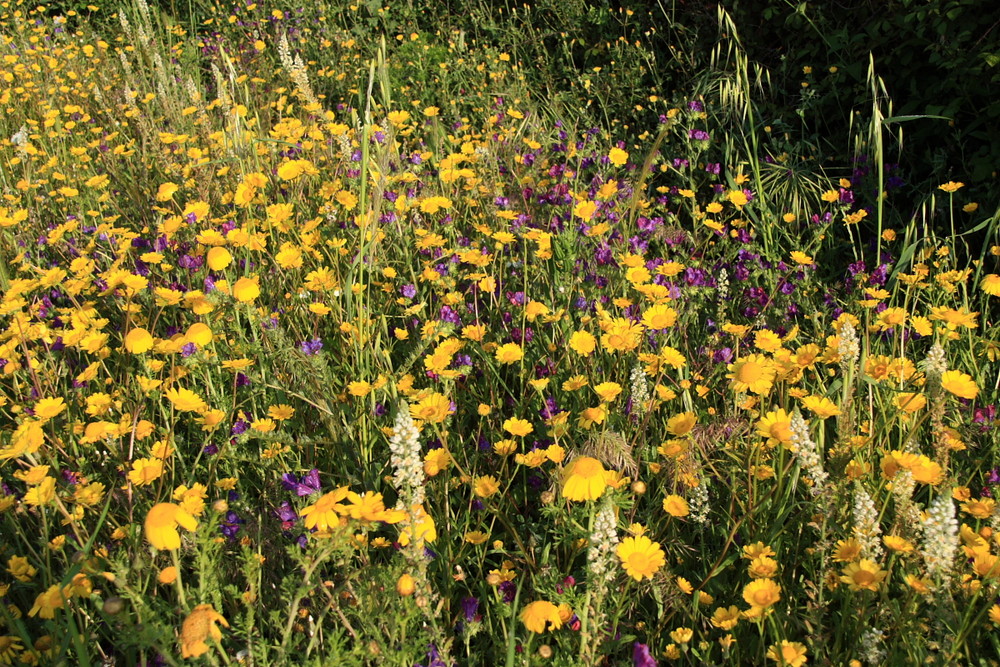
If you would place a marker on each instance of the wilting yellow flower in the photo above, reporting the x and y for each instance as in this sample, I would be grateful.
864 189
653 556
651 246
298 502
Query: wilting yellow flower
726 619
584 479
960 384
991 284
199 626
641 557
540 615
161 525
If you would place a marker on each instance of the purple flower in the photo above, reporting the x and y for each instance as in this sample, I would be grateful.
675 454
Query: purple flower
641 656
310 347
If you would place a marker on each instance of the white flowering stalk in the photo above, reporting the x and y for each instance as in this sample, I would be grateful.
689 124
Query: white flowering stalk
907 513
935 364
848 348
296 70
405 447
640 390
722 288
603 541
940 537
808 453
866 528
698 505
872 650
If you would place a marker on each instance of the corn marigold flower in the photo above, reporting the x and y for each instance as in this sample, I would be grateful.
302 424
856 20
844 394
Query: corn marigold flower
754 373
584 479
675 506
863 575
518 427
820 406
198 627
161 525
788 654
509 353
541 615
726 618
776 426
185 400
138 341
47 408
326 512
960 384
583 343
680 425
641 557
761 593
47 602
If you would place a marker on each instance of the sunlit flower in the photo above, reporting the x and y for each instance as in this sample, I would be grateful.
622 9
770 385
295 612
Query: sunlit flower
788 654
863 575
675 506
641 557
960 384
541 615
584 479
754 373
161 525
761 593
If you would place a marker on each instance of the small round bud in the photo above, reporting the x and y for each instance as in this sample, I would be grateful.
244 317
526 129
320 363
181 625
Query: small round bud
405 585
638 487
113 606
545 651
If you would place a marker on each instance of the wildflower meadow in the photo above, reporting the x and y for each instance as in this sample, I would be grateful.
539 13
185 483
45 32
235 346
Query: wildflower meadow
337 335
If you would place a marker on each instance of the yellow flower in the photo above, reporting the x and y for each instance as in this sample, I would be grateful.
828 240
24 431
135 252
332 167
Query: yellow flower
896 543
641 557
622 335
199 626
991 284
617 156
509 353
754 373
246 290
800 257
761 594
485 486
951 186
47 408
959 384
219 258
847 550
675 506
540 615
138 341
326 512
145 471
608 391
518 427
659 317
863 575
763 568
767 341
682 635
680 425
788 654
422 527
161 525
726 619
46 603
909 402
585 210
776 426
167 575
584 479
582 342
185 400
820 406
